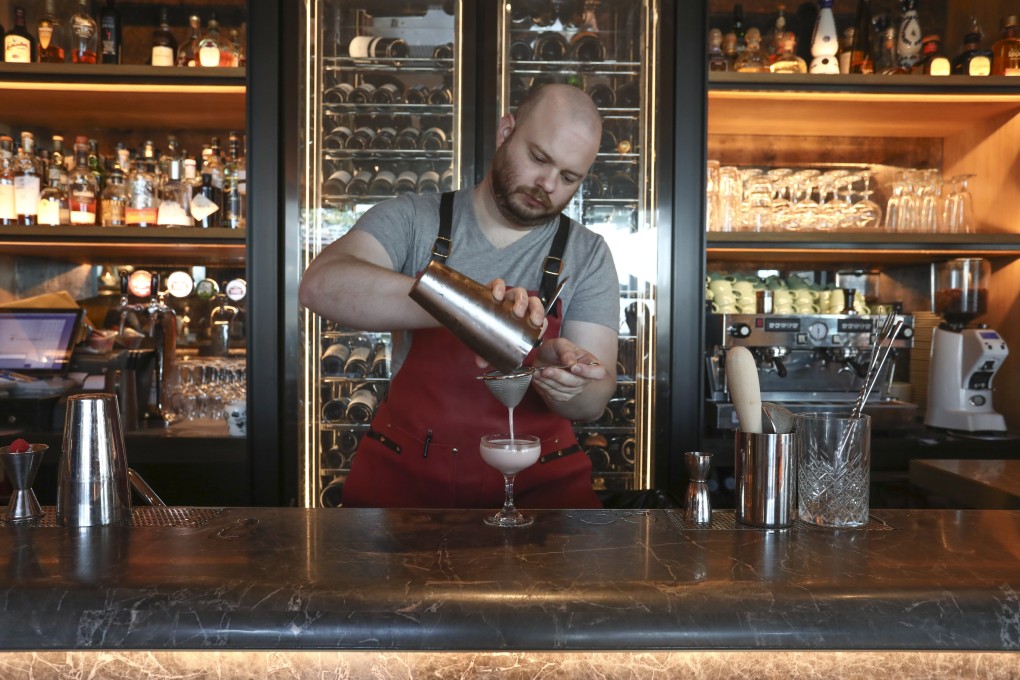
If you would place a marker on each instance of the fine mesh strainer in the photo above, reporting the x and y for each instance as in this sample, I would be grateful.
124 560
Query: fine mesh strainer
509 388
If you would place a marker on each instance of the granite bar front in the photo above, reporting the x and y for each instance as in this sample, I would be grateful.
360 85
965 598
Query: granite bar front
288 592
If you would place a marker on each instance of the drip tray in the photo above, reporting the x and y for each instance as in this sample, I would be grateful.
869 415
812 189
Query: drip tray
726 520
140 517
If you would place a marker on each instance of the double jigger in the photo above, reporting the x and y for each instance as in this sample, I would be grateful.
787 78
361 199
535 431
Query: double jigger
21 469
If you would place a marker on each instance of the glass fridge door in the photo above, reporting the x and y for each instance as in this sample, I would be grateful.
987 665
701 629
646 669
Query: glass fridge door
379 116
609 48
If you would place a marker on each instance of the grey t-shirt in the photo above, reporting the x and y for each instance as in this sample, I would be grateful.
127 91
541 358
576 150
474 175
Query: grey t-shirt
407 227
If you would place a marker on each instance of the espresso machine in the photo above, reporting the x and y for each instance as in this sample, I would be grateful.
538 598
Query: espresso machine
964 360
807 362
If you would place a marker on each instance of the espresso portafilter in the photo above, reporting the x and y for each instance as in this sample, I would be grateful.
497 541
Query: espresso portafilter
93 488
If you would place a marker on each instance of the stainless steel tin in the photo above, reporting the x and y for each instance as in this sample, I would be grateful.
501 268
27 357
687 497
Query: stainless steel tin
766 476
92 481
21 469
468 310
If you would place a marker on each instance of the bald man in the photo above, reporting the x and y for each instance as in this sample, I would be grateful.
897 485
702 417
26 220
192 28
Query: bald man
422 447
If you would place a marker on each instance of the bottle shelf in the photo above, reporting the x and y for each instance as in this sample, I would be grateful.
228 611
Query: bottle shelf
81 97
388 65
878 247
911 106
148 244
583 68
391 155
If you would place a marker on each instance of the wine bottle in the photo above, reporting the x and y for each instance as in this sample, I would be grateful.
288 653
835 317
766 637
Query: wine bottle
551 46
861 60
362 405
587 47
357 363
382 185
407 183
334 359
110 34
336 184
335 410
428 182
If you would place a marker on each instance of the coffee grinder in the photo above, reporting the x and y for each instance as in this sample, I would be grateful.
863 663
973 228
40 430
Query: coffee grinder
964 360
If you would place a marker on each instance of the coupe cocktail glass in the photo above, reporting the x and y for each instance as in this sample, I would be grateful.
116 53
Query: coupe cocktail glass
510 455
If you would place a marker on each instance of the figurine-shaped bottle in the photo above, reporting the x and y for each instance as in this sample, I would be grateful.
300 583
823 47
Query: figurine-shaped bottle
908 41
825 41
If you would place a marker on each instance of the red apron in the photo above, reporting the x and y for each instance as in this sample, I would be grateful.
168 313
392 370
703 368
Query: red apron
422 448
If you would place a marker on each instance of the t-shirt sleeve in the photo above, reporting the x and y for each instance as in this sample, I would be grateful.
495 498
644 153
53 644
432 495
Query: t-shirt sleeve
596 298
392 223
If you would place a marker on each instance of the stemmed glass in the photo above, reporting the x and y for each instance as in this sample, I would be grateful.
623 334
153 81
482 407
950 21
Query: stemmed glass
958 212
510 455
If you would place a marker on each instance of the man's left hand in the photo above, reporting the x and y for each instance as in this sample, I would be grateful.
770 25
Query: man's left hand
563 384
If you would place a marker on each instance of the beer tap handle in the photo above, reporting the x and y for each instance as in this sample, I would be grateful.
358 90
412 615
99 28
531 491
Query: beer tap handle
154 289
123 288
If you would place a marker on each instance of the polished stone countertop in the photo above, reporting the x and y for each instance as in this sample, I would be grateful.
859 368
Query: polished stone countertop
362 579
984 484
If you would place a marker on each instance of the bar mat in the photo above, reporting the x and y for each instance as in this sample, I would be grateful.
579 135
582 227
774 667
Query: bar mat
140 517
726 520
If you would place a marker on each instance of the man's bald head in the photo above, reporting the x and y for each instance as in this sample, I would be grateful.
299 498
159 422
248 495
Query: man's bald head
556 101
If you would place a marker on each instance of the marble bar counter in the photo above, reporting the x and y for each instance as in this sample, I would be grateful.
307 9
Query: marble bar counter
616 587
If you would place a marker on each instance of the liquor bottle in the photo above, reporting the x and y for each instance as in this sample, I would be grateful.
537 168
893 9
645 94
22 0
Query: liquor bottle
19 44
824 41
56 170
407 138
772 43
96 165
587 47
972 60
729 48
164 44
143 203
551 46
336 184
8 216
358 186
846 44
753 59
211 50
908 41
114 200
933 62
602 95
84 35
83 193
334 410
212 165
51 36
357 363
334 359
110 34
716 59
1006 50
383 183
735 36
187 53
27 182
888 59
232 204
407 183
236 48
362 405
242 178
433 139
428 182
205 207
174 193
787 60
861 60
52 200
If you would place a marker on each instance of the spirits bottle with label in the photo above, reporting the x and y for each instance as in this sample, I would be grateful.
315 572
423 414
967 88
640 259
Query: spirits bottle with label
861 59
888 59
84 35
232 202
787 61
933 62
8 216
773 41
27 182
753 59
1006 51
19 44
825 41
83 193
143 202
187 53
109 34
52 203
51 36
716 59
114 200
972 59
908 40
211 49
164 44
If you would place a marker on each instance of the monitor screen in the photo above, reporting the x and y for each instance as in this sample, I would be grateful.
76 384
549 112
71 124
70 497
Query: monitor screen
37 339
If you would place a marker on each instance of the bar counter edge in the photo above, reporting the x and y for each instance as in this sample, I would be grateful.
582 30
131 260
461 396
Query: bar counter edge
937 589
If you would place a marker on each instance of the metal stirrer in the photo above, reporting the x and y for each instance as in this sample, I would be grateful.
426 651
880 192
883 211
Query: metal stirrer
888 330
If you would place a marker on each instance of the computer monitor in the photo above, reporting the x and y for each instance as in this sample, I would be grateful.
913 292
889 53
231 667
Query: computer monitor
37 341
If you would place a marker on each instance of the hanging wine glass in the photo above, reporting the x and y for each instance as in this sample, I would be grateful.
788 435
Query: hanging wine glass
866 212
958 214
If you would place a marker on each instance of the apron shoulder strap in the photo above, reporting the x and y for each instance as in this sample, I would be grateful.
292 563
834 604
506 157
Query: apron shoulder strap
441 248
553 263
